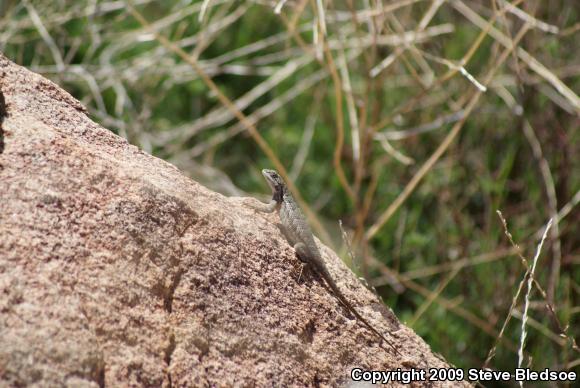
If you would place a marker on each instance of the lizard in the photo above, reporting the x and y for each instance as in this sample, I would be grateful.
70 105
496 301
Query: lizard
298 233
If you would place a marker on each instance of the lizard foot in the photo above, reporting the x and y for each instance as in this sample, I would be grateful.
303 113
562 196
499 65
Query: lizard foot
302 265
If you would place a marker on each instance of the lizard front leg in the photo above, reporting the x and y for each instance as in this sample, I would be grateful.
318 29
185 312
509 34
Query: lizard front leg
263 207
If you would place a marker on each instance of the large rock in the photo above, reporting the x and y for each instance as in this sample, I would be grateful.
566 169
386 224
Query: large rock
116 269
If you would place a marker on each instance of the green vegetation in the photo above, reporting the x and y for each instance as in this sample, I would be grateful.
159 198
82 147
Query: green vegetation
440 257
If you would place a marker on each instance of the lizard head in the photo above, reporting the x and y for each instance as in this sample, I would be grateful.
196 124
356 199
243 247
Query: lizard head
274 180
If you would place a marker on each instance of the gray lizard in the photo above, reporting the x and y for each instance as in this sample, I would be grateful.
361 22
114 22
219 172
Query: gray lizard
298 233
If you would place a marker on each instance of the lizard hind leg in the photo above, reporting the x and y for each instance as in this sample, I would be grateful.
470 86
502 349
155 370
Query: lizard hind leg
301 251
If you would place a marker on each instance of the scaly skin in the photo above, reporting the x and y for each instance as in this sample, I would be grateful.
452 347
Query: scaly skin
298 232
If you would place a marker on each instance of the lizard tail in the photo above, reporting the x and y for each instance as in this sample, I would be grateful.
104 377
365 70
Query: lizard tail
351 308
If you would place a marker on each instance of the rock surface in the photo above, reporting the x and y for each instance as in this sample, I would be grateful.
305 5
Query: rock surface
117 270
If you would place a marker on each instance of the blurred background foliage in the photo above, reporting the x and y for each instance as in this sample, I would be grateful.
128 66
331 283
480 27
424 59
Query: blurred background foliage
448 111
